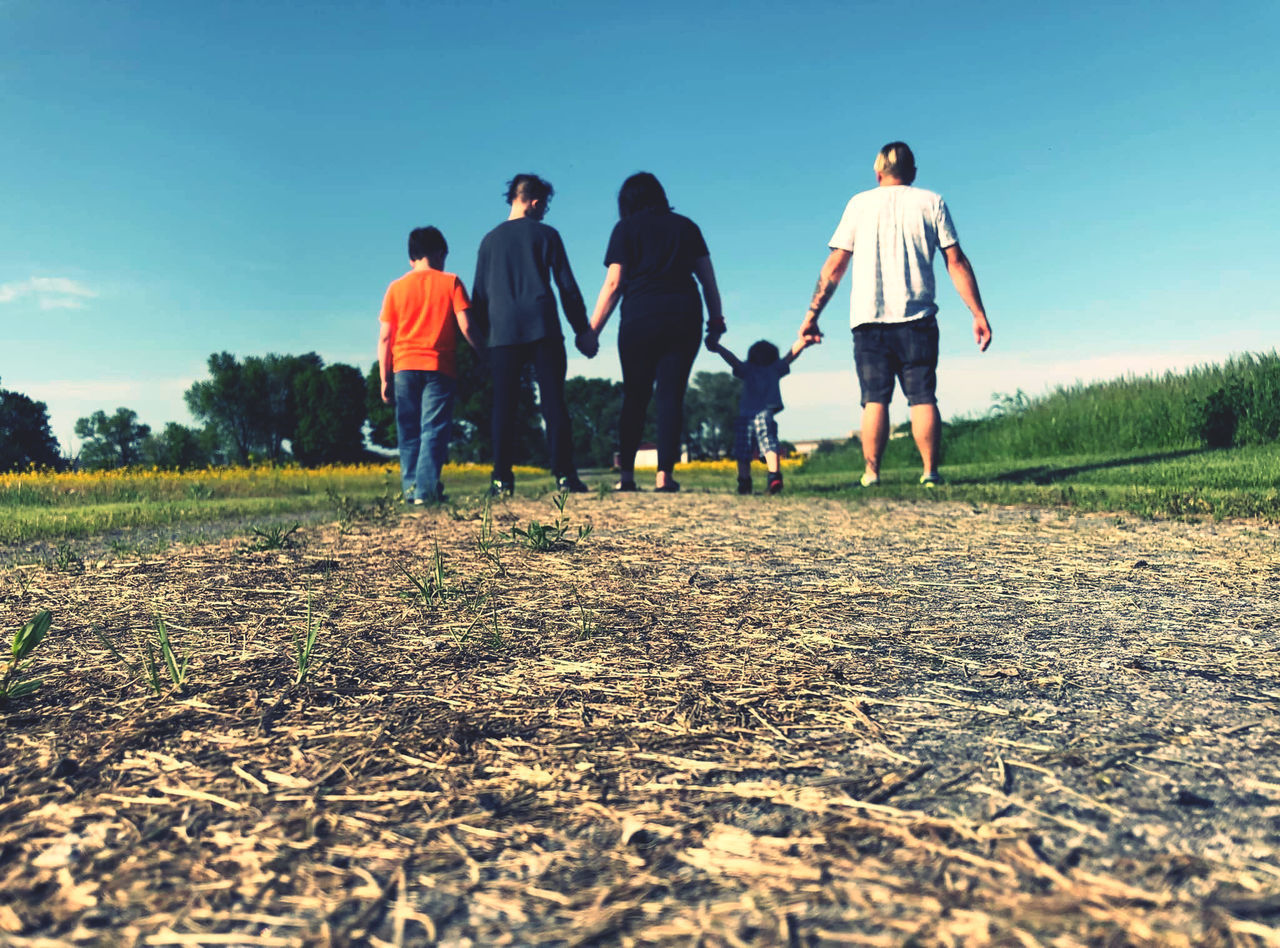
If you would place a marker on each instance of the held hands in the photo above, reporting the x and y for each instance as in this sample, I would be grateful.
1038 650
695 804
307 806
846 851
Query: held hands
715 329
809 330
588 343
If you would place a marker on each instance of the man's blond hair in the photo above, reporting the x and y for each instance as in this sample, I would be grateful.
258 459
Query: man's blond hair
897 161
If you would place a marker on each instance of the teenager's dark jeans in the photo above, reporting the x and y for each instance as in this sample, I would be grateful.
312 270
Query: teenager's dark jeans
424 412
655 352
549 367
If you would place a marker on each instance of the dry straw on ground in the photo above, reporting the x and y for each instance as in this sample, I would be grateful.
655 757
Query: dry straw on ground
713 722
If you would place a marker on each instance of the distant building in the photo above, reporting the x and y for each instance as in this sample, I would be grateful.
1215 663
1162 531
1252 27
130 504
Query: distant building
806 448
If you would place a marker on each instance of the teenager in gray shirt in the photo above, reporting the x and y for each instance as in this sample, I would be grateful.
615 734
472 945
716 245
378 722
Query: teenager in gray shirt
517 262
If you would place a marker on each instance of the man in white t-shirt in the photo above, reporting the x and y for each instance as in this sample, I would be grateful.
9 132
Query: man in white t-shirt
887 239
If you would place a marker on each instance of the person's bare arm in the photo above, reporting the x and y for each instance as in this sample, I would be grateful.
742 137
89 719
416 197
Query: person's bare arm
385 369
610 293
797 347
829 278
961 272
706 275
734 362
470 330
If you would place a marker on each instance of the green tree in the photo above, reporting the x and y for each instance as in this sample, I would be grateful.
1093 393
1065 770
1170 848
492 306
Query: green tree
329 413
25 438
111 441
179 448
711 412
594 406
382 417
251 403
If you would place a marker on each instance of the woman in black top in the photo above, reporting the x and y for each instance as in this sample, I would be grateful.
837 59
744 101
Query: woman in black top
653 257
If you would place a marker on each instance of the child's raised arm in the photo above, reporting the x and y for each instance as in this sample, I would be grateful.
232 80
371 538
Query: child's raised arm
733 360
797 347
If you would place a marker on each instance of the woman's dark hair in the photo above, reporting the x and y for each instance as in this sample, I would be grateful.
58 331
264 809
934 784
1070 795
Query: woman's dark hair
641 192
425 242
530 187
762 353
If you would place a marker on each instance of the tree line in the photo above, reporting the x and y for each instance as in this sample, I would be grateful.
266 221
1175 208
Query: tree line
278 409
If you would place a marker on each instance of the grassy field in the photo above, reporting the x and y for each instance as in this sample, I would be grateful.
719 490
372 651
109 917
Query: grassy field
59 508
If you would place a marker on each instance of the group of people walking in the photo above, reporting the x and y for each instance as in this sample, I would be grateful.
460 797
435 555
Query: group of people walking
659 268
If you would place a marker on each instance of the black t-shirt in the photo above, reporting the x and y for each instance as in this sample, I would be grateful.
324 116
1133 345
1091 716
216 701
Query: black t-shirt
657 250
517 261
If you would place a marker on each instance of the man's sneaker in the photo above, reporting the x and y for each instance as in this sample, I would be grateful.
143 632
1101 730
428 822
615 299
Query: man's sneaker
744 485
502 488
775 482
930 481
571 484
869 480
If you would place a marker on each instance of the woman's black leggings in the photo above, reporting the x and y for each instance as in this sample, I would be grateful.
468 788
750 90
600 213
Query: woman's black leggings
653 351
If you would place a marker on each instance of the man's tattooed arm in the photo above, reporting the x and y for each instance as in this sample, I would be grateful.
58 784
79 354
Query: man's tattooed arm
822 294
828 280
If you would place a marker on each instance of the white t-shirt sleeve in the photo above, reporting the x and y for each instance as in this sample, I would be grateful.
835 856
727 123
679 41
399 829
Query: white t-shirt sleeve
842 239
947 236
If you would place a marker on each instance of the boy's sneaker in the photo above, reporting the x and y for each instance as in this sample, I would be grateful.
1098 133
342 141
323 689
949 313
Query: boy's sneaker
930 481
869 480
502 488
775 482
744 485
571 484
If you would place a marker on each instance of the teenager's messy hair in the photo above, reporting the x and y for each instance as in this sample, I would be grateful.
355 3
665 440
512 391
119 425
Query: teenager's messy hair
529 187
641 192
426 242
763 352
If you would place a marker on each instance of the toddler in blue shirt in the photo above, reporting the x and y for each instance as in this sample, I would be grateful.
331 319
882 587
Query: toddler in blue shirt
761 399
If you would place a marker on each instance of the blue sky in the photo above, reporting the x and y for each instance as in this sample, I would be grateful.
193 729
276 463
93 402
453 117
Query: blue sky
182 179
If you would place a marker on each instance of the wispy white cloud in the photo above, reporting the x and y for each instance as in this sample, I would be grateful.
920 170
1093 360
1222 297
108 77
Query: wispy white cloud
48 292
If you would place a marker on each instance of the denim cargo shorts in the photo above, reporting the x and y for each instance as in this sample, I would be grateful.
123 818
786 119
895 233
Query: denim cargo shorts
907 352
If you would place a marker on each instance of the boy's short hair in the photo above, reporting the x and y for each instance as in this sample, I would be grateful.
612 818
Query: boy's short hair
763 352
897 161
529 187
426 242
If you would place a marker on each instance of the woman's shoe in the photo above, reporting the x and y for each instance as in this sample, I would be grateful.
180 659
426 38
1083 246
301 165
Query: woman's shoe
670 487
625 487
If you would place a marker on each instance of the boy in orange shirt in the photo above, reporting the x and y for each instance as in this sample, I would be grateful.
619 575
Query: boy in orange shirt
417 357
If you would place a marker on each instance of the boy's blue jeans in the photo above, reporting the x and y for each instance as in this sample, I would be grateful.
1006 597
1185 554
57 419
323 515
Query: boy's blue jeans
424 413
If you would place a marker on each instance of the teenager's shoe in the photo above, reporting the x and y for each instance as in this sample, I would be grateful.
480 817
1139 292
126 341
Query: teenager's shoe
670 487
775 483
625 487
869 480
930 481
571 485
744 485
502 488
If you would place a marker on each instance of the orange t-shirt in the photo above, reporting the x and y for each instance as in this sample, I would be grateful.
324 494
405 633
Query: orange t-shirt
421 309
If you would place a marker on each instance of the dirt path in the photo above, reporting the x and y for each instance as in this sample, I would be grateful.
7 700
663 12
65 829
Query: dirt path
713 721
